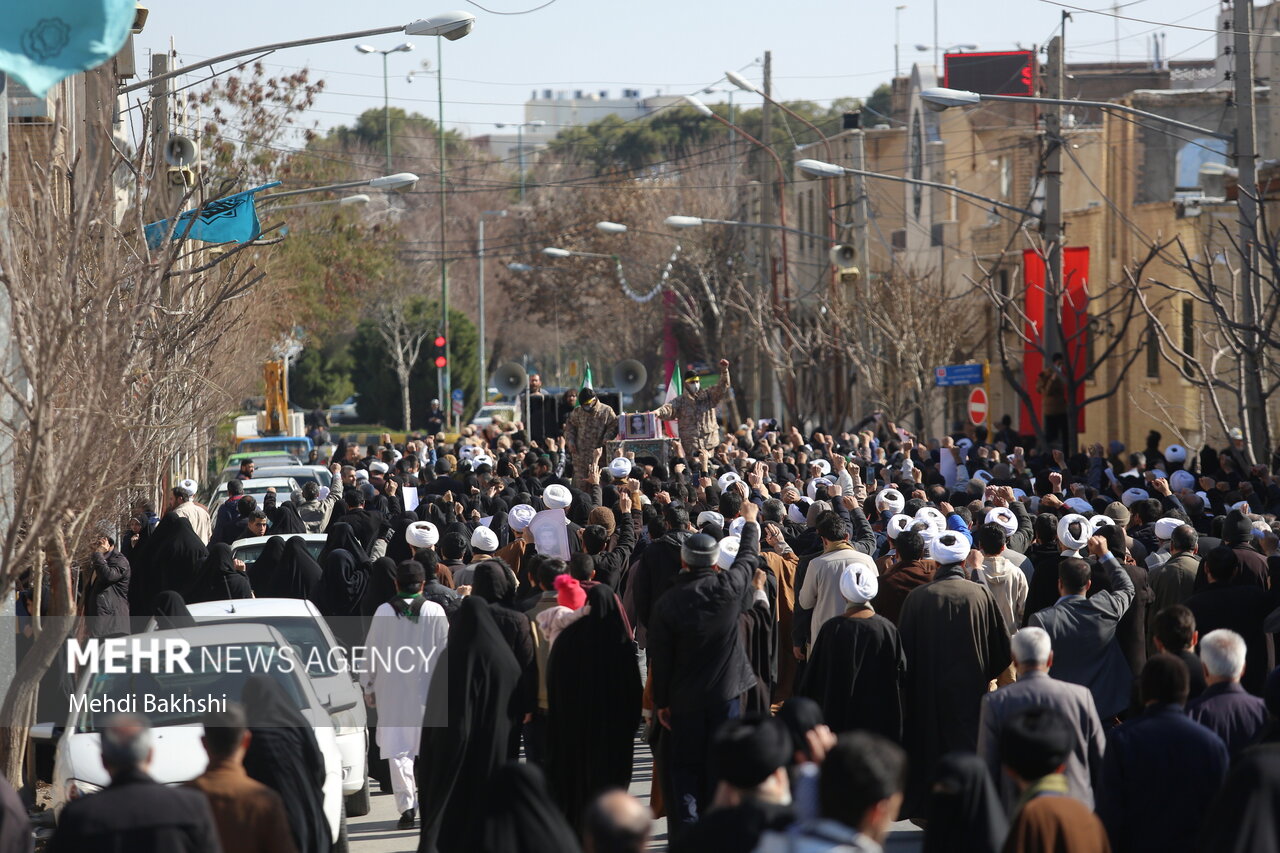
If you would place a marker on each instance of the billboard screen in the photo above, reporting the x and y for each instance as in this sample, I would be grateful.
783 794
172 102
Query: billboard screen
1011 72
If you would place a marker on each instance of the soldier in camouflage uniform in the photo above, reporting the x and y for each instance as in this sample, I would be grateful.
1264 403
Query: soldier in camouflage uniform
589 426
694 412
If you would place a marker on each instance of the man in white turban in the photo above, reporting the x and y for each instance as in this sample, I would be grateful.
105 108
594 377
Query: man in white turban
857 667
955 643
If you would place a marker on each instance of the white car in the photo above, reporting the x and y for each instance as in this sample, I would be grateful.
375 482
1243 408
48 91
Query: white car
257 487
506 412
307 631
178 754
318 474
345 412
250 548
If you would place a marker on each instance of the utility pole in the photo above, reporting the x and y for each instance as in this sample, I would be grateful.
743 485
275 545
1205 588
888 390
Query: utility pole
1253 403
1051 333
862 248
768 210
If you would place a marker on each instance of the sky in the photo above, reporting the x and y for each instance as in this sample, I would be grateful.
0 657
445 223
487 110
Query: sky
821 50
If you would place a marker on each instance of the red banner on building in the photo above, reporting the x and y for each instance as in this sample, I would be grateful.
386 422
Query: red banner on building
1075 324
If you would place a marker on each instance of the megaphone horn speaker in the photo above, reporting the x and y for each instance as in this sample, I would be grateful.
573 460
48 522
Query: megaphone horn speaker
843 257
629 376
510 379
179 151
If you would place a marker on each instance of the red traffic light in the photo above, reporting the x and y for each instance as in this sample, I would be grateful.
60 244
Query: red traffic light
440 341
441 361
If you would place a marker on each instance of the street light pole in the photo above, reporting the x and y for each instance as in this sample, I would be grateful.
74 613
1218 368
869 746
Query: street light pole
484 376
446 391
520 147
386 95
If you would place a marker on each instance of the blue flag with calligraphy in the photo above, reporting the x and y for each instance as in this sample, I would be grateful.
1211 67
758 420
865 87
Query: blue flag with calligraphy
232 219
45 41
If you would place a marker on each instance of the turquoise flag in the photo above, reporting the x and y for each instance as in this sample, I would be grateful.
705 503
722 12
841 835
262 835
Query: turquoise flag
233 219
49 40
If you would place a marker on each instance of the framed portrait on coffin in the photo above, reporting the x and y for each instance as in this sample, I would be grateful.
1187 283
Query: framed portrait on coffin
638 426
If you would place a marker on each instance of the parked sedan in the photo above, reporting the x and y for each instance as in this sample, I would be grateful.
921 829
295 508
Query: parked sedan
284 486
318 474
306 630
176 730
250 548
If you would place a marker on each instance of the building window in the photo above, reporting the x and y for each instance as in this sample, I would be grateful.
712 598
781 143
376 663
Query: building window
1189 334
1153 352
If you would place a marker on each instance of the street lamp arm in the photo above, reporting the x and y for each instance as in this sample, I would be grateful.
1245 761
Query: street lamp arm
1102 105
702 220
824 169
236 54
385 182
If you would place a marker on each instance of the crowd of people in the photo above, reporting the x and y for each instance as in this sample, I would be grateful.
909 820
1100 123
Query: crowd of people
815 635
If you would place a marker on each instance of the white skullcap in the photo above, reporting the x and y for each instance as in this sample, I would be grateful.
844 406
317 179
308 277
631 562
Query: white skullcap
949 548
189 486
823 465
1243 506
620 467
1074 543
897 524
397 455
1164 527
1181 479
964 443
324 492
1004 517
377 466
818 483
984 475
727 479
519 516
735 526
467 451
556 496
933 515
728 551
1261 528
794 513
890 501
1079 505
1100 521
484 539
422 534
1204 496
710 515
481 459
1018 493
362 474
858 584
1175 454
1129 496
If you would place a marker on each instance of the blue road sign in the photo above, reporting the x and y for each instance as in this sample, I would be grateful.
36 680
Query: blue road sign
457 392
958 374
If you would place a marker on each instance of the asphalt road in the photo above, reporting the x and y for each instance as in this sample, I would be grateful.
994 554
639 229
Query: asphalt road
376 832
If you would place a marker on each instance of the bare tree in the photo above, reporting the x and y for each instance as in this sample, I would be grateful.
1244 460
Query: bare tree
912 324
1208 348
1115 308
110 368
404 326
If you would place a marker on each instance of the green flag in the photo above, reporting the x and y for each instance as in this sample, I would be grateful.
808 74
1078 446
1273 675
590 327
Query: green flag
586 376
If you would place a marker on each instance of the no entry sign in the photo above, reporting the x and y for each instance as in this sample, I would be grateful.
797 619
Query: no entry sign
978 405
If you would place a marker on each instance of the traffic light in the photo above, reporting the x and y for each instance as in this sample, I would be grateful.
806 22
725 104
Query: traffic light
442 360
